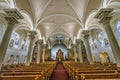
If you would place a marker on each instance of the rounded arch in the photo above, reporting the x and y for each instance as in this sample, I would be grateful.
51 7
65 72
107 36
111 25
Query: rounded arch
52 15
60 43
56 48
89 20
39 34
4 4
115 23
105 3
95 26
21 26
27 18
2 19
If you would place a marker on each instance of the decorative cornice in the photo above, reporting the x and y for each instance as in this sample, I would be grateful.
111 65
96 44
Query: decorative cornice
78 41
40 41
85 34
12 15
32 34
73 45
11 20
104 15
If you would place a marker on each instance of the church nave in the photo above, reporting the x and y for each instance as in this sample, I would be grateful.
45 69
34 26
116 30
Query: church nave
59 39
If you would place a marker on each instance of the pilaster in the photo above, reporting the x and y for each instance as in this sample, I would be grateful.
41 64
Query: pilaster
87 45
79 41
75 52
40 43
30 50
12 17
104 16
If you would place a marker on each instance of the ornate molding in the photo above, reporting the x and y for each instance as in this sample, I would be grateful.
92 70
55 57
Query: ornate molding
40 41
12 15
78 41
104 15
11 20
32 34
86 34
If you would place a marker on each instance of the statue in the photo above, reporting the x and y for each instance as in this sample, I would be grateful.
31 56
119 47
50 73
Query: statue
59 55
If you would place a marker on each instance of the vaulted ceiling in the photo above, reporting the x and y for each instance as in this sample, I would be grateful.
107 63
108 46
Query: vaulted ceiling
52 18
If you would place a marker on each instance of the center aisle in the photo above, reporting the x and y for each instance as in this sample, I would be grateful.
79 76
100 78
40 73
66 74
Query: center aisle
59 73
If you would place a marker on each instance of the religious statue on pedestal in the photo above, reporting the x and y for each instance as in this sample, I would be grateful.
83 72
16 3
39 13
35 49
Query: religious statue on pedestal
59 55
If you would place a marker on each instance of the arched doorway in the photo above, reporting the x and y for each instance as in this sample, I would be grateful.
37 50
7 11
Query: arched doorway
59 52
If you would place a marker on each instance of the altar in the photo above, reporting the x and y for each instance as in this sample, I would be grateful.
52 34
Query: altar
59 55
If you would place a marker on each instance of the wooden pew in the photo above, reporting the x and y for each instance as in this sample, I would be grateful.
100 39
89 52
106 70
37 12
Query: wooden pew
41 71
22 77
75 68
97 76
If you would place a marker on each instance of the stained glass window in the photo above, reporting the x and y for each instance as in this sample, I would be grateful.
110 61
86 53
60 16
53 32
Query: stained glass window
117 31
102 39
15 40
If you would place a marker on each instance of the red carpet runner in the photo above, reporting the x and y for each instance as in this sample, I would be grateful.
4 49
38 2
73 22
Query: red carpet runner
59 73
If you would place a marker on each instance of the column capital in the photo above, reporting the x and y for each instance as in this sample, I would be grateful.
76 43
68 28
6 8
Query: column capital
86 34
44 45
68 48
12 16
73 45
32 34
104 15
78 41
11 20
40 41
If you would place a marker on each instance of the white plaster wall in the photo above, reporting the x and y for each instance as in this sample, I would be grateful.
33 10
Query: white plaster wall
15 52
103 49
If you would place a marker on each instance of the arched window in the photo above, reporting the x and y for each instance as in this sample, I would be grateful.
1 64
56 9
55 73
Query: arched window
15 40
102 39
117 31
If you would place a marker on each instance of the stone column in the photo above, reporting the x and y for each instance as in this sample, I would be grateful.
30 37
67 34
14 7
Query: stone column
12 16
30 49
75 53
49 52
40 42
18 59
69 53
79 41
105 18
43 54
87 46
